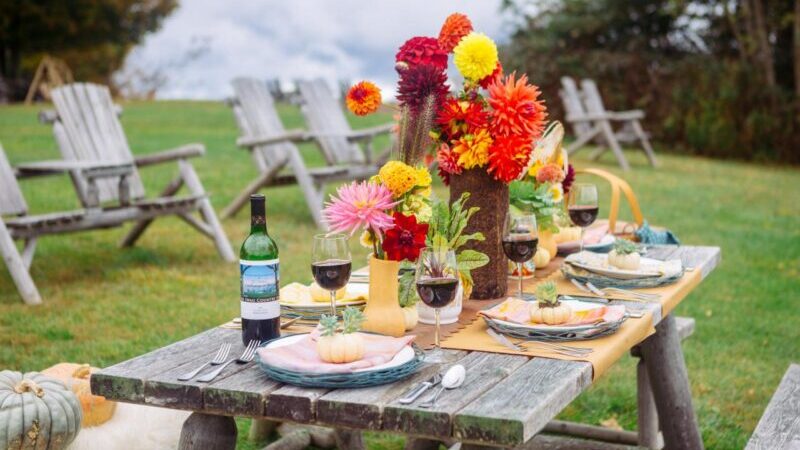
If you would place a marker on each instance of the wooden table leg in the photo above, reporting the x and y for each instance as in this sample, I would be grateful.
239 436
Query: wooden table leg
208 432
669 380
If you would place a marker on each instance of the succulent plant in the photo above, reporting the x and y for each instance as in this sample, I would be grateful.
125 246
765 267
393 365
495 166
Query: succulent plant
352 319
547 294
624 247
329 324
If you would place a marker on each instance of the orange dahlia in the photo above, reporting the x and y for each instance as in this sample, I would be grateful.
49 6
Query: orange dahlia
516 107
473 149
455 27
550 173
363 98
456 117
508 157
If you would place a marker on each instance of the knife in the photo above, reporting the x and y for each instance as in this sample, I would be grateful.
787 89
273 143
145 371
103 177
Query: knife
419 389
502 340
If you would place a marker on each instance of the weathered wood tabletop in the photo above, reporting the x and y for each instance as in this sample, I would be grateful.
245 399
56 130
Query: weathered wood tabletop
505 401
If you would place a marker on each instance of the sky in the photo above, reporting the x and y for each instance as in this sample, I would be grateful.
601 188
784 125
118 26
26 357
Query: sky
206 43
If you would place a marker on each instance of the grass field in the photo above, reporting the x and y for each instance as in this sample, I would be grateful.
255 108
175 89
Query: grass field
103 305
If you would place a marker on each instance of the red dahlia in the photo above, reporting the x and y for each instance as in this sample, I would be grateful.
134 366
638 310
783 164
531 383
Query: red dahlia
456 117
405 239
508 157
422 51
418 82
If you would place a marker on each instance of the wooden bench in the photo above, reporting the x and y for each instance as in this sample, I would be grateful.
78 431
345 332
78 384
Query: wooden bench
779 427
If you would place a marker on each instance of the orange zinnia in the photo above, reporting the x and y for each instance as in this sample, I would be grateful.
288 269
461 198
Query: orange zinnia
455 27
516 107
363 98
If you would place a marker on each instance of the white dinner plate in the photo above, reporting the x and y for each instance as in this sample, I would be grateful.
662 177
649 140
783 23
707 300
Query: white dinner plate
598 263
403 356
576 305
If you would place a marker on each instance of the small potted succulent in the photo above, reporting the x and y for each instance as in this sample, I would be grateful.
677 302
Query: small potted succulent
548 310
345 346
624 255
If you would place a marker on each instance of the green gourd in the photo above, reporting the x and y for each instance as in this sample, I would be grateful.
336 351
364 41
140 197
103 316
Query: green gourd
37 412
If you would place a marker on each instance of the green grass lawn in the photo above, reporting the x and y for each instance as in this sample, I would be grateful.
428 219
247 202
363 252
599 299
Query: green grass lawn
103 305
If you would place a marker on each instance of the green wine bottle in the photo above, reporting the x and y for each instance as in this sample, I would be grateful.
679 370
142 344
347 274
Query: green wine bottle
260 279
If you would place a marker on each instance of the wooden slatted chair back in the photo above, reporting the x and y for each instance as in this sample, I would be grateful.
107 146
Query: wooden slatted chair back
324 116
591 97
87 129
256 116
11 200
573 104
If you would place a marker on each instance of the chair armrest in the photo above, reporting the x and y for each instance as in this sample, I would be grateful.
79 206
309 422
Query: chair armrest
371 132
173 154
95 169
289 136
608 115
634 114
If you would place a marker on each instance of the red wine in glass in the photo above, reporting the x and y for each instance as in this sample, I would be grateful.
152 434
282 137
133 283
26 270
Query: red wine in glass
437 292
520 248
583 216
332 274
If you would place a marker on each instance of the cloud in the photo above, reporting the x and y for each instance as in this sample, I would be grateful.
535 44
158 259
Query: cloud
344 39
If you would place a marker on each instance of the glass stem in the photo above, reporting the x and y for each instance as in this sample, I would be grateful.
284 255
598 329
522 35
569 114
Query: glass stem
436 332
333 303
519 280
582 231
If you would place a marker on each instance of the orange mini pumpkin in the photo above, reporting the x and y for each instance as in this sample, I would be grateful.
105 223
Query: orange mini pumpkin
96 409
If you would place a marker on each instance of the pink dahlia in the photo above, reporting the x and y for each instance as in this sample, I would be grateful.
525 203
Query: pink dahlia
358 206
448 163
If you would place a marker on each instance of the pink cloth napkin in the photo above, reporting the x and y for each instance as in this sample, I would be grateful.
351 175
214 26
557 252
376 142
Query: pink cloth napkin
591 236
519 311
302 355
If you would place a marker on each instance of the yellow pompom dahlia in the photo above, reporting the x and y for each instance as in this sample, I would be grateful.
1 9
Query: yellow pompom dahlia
398 177
423 177
475 56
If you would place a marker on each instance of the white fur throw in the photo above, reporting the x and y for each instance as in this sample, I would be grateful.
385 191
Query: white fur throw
134 427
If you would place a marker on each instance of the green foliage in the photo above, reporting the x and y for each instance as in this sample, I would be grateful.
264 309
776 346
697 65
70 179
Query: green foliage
408 295
527 197
328 324
694 68
446 230
546 293
624 247
352 318
93 36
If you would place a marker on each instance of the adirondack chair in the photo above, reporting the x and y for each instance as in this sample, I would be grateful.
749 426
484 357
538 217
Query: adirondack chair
87 129
326 121
275 154
592 122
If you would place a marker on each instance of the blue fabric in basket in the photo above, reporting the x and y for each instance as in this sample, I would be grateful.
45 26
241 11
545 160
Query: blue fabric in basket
647 235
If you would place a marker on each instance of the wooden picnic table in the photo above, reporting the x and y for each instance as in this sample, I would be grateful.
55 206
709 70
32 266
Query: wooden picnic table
506 400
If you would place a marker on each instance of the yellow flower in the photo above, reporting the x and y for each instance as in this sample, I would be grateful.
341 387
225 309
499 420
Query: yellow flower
417 206
366 239
423 177
475 56
557 192
398 177
535 169
423 191
473 149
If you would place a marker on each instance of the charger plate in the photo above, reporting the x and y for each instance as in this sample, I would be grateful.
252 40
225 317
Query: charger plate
604 246
405 363
554 333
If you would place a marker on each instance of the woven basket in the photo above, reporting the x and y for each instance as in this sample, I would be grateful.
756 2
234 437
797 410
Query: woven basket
346 380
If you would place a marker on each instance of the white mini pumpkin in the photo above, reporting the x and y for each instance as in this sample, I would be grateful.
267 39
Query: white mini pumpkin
37 412
542 258
340 348
624 255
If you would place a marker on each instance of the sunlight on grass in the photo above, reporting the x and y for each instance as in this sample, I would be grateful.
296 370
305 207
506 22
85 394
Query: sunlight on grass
103 304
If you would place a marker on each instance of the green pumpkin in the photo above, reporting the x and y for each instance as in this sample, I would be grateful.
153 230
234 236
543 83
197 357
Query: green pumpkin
36 412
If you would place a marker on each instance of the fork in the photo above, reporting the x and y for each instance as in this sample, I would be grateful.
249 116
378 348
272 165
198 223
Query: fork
638 295
218 359
574 351
247 356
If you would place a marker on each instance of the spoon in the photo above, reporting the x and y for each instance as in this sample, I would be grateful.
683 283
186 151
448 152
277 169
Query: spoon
453 378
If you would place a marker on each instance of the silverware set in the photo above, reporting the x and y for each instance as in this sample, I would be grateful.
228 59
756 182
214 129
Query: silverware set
590 288
219 359
526 346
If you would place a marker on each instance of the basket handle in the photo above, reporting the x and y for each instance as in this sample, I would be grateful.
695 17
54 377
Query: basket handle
617 184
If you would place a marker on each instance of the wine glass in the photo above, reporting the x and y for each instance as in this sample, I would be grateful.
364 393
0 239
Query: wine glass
331 263
520 239
582 206
437 280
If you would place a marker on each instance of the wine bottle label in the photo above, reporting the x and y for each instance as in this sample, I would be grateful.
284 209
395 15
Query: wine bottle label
260 287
